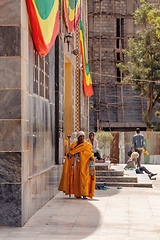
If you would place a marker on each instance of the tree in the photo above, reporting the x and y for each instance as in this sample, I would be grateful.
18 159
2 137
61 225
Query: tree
143 56
104 141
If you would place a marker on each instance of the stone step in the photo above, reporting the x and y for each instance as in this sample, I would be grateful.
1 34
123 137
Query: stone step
115 179
109 173
101 166
125 184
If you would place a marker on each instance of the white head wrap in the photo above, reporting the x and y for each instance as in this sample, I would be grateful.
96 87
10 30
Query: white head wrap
80 133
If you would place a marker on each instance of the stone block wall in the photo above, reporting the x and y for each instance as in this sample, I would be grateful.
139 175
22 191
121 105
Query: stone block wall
32 126
29 176
10 112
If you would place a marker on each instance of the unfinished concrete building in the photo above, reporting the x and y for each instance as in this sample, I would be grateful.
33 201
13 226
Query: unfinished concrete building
115 106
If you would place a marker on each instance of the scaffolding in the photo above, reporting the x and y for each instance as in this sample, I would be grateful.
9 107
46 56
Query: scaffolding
109 86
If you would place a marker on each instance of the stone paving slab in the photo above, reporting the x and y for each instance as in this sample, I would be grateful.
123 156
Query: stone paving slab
113 214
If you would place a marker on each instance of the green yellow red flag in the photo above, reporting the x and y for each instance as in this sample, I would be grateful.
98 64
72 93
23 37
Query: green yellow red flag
71 11
87 81
44 23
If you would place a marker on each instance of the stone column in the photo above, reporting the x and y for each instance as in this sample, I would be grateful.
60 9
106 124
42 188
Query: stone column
10 112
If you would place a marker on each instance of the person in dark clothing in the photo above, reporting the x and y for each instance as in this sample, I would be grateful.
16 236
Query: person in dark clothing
144 169
133 163
138 145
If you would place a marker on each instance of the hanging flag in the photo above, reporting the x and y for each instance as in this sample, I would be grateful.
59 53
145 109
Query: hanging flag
71 11
87 81
44 23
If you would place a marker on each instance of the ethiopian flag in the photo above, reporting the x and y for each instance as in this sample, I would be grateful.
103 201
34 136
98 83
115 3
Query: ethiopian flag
87 81
71 9
44 23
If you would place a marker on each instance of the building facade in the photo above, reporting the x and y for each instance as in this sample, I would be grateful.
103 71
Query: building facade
115 106
42 101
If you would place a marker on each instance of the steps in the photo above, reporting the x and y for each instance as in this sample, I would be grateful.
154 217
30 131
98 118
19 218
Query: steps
115 177
109 173
125 184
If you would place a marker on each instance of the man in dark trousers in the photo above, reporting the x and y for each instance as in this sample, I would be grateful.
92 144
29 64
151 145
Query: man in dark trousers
138 145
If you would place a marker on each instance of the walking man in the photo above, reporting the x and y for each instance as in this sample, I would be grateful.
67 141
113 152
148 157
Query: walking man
138 145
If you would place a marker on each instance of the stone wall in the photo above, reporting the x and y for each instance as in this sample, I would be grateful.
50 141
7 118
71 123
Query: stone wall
29 174
11 156
32 115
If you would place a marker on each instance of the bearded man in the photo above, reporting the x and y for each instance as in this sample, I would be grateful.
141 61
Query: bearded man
75 177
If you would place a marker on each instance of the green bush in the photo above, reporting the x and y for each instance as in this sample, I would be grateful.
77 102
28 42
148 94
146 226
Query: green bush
103 138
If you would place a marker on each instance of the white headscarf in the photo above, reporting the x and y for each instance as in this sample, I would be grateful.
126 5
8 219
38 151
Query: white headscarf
80 133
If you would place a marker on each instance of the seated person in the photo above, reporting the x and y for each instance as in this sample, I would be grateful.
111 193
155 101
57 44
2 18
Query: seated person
132 162
142 169
97 152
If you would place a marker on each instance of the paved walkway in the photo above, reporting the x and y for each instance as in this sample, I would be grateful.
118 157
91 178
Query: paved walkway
113 214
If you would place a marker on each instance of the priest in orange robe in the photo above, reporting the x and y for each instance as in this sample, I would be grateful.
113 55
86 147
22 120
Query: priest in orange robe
75 177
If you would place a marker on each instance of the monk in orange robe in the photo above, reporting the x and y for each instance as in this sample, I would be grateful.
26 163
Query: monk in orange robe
75 177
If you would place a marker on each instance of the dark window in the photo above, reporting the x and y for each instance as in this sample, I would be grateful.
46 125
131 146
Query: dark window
41 75
119 45
122 27
118 75
118 56
120 32
118 28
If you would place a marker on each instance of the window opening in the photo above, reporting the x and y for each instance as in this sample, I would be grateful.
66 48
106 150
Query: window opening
120 32
41 75
118 75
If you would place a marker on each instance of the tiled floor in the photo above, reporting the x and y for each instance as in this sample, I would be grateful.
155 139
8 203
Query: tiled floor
113 214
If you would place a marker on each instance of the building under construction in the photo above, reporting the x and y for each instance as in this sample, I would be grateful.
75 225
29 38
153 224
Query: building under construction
116 106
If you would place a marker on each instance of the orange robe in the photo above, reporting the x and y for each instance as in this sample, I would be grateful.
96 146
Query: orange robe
78 182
